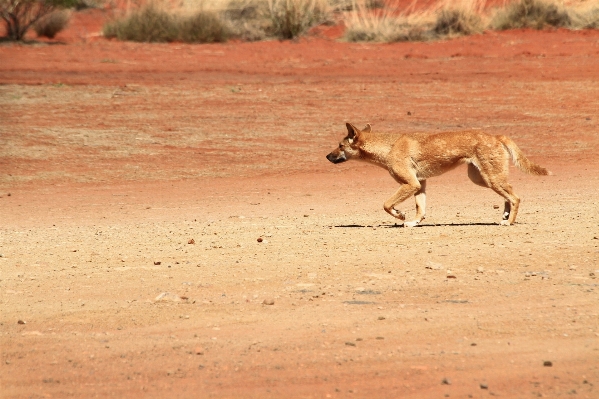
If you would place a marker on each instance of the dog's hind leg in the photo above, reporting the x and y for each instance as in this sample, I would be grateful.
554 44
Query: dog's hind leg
512 202
498 183
420 198
477 178
493 166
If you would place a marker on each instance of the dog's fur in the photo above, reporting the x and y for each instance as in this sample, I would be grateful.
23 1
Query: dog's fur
413 158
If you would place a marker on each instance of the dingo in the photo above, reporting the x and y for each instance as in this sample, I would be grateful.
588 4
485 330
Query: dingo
413 158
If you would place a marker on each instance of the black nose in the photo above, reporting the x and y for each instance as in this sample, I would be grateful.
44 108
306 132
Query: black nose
336 159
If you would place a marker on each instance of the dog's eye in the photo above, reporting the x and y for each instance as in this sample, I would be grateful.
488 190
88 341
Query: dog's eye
341 146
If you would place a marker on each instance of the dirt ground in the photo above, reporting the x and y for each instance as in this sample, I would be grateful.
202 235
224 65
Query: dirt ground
115 156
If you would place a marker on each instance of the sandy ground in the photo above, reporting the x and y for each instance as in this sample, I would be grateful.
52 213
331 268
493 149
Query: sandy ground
115 156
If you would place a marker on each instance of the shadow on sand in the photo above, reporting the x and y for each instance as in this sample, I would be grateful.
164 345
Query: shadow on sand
401 226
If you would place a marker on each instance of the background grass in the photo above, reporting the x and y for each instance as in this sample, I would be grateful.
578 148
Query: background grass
153 23
51 24
364 20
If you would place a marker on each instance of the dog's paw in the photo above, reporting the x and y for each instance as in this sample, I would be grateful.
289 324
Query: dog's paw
398 214
413 223
505 223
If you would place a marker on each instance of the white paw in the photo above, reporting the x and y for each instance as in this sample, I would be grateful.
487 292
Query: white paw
411 224
505 223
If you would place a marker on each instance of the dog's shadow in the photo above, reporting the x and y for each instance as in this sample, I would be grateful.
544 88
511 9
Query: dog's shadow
401 226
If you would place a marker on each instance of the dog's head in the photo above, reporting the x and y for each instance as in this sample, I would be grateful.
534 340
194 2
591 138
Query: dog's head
349 147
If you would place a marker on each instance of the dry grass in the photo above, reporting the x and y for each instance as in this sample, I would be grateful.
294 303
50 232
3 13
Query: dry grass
535 14
457 22
365 20
442 20
291 18
585 15
154 23
148 24
49 25
386 26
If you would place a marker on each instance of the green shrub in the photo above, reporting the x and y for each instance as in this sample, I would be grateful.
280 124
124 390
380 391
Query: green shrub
452 22
49 25
535 14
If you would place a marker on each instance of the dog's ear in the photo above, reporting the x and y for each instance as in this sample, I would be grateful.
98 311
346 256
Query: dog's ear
367 128
352 131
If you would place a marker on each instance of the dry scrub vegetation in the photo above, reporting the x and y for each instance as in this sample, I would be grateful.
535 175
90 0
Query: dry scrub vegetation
206 21
447 19
49 25
364 20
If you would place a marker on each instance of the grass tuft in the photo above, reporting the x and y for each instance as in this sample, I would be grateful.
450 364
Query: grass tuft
49 25
291 18
248 19
585 16
457 22
535 14
149 24
203 27
153 24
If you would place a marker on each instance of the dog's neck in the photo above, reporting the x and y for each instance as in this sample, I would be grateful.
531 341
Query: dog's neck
376 150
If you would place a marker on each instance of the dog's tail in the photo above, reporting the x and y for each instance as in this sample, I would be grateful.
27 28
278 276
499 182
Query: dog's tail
520 160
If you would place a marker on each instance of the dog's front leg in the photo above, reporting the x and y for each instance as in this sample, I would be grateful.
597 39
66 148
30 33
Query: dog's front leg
404 192
420 198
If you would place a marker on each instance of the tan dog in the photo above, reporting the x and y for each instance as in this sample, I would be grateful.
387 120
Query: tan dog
413 158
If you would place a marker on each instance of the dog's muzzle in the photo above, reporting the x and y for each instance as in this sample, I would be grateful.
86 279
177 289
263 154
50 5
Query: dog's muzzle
337 158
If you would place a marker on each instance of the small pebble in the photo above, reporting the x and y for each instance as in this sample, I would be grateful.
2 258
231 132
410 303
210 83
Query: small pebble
268 301
157 263
547 363
21 322
192 241
350 344
495 206
381 317
446 381
260 239
167 297
484 386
